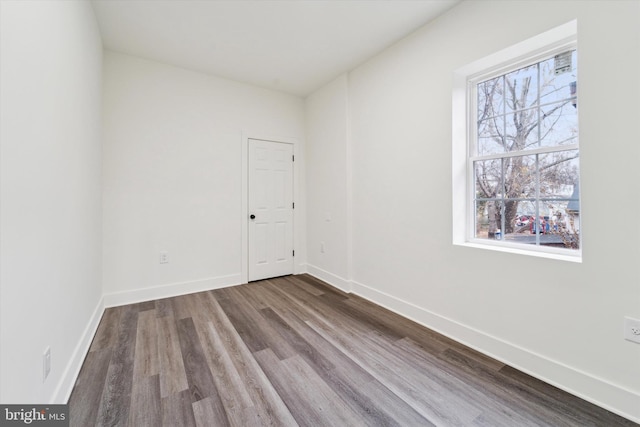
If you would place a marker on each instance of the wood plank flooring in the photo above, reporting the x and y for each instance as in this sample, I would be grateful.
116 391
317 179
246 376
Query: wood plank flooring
295 351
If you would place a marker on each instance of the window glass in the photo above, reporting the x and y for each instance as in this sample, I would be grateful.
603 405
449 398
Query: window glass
525 157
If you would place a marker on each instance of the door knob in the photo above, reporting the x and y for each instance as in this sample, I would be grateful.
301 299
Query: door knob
252 216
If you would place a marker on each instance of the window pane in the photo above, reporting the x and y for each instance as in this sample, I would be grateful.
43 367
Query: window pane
559 124
521 222
520 177
490 98
491 136
566 224
559 174
522 130
521 87
488 178
488 219
554 88
558 225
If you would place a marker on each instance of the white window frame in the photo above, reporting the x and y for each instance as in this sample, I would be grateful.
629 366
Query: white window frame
559 39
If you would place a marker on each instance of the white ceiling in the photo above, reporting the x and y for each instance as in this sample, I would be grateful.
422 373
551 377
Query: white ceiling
290 45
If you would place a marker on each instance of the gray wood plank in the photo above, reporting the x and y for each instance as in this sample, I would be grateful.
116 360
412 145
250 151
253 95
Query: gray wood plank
269 407
107 332
199 378
241 323
373 402
428 397
184 306
87 392
299 345
234 396
510 394
116 395
206 412
172 375
142 306
306 284
146 359
399 325
177 410
251 292
164 307
146 408
564 406
464 386
310 400
253 326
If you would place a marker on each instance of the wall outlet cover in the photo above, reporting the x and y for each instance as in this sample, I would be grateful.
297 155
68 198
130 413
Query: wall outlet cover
632 329
46 363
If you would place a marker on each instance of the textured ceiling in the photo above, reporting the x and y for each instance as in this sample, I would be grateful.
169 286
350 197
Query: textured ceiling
294 45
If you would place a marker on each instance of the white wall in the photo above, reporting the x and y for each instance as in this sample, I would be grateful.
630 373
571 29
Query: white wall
328 182
379 168
50 192
172 160
560 321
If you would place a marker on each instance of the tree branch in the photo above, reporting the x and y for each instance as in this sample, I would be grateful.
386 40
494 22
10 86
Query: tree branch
550 165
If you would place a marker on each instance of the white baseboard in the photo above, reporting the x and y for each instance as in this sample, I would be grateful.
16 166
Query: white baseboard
330 278
65 386
169 290
598 391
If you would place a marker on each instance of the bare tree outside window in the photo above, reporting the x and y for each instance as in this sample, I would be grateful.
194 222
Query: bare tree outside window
526 162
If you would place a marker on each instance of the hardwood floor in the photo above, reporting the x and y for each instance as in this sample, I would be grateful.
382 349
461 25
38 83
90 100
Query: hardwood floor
294 351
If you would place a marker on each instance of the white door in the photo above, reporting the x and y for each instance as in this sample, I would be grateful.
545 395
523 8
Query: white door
270 228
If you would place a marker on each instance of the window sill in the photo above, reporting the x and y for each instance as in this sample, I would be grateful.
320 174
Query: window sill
559 254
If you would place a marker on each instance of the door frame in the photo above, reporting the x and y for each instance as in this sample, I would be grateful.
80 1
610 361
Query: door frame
298 212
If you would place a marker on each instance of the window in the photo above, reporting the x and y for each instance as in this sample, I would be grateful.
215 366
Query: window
522 164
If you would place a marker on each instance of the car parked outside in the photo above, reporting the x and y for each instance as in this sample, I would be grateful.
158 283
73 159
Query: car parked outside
522 220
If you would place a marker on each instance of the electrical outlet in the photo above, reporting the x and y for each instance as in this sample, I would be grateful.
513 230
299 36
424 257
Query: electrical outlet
46 363
164 257
632 329
321 247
